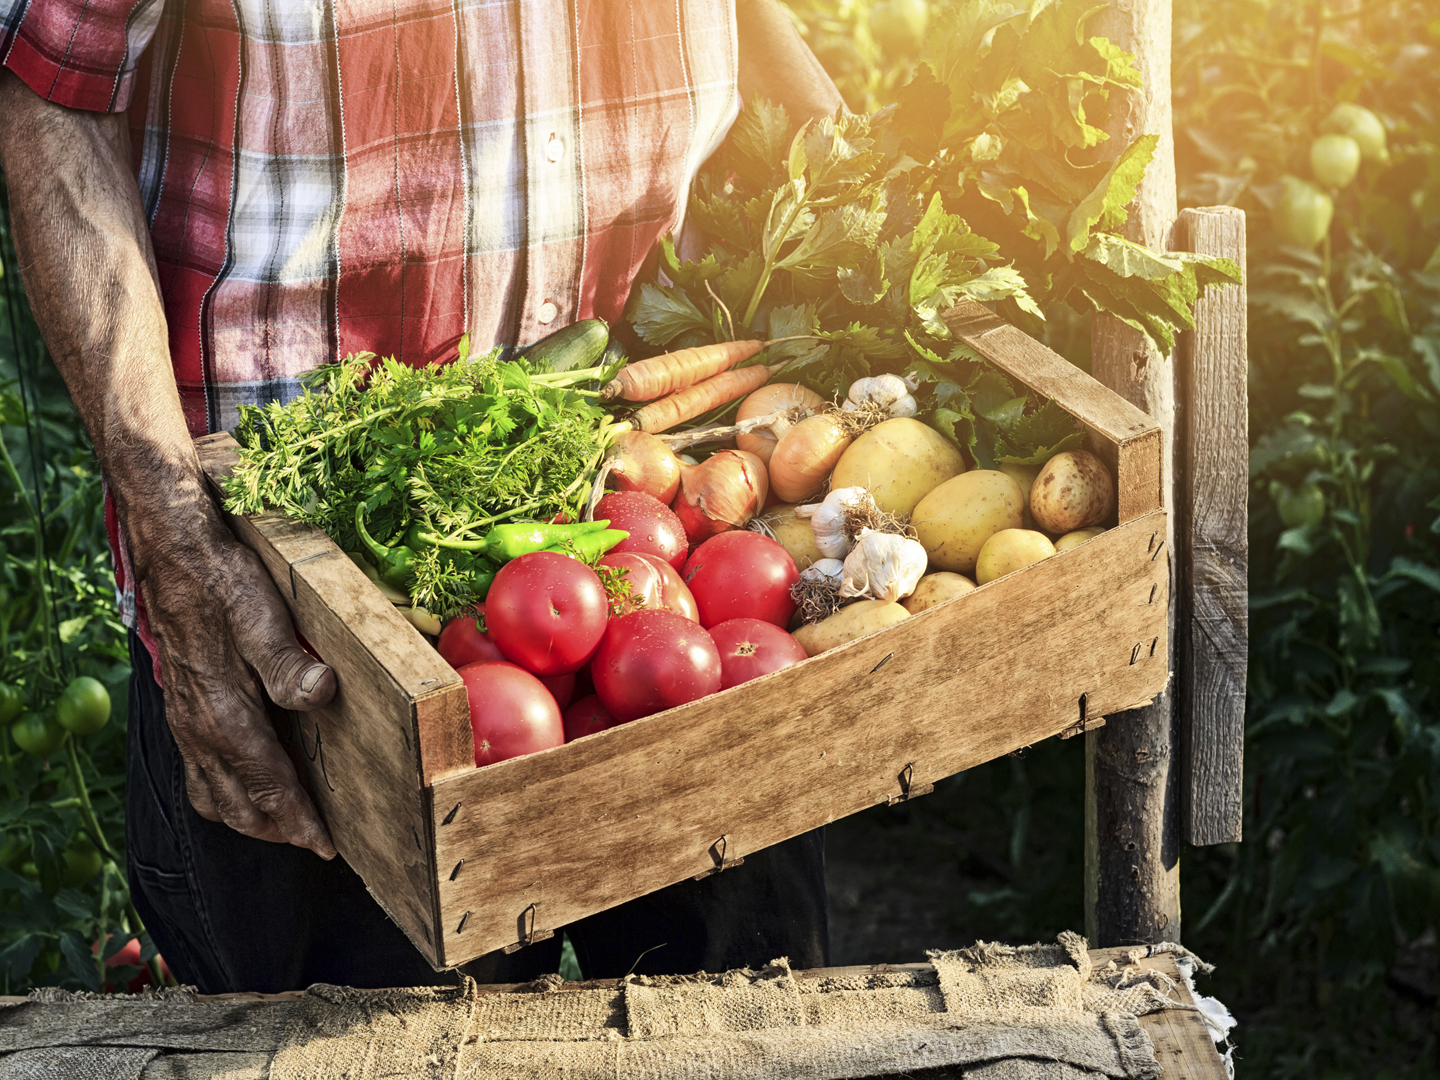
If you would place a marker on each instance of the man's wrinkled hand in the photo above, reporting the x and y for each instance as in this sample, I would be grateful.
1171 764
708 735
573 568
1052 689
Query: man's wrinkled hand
226 641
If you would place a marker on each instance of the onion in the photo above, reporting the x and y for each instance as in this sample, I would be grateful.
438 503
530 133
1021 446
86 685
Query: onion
641 462
723 492
805 456
791 398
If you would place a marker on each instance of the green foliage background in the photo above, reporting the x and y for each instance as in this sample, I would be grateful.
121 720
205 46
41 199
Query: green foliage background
1338 882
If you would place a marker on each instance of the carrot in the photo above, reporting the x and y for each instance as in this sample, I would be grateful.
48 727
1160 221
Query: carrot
689 403
646 380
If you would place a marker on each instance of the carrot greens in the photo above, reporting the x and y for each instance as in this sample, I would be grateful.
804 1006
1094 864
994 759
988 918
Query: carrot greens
445 451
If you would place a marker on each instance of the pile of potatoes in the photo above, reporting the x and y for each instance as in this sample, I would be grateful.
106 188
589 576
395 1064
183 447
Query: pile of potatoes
976 525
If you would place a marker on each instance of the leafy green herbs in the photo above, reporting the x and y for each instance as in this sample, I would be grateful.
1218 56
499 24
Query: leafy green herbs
454 449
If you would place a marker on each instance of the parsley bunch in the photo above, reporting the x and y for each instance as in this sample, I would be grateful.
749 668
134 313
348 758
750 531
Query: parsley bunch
456 449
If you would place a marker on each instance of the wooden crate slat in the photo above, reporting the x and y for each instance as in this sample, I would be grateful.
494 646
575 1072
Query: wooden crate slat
960 684
1212 496
362 752
1122 436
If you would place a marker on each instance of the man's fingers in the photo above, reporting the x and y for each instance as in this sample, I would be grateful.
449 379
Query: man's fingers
198 788
273 789
265 638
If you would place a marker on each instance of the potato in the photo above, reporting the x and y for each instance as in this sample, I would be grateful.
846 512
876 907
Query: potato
850 622
1010 550
1024 475
1076 538
936 589
898 462
794 534
954 521
1073 490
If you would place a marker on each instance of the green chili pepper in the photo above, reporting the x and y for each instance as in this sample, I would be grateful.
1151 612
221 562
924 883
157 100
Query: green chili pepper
591 545
506 542
394 563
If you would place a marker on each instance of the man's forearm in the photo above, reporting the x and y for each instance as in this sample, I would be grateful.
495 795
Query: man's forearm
89 272
775 63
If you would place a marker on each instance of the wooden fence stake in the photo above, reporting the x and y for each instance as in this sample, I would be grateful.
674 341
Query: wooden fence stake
1132 833
1212 468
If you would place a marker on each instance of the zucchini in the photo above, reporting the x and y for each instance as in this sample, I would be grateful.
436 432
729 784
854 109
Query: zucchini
579 345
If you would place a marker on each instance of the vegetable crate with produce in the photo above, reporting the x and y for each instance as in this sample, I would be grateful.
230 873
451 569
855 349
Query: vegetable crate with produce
837 608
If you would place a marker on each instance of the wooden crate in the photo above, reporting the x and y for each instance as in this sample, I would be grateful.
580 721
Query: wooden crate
470 860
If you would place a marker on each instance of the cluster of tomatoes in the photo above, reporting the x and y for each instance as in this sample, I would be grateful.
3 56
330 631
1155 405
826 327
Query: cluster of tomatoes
559 650
83 708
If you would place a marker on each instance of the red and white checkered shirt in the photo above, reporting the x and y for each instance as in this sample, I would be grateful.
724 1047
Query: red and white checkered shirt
331 176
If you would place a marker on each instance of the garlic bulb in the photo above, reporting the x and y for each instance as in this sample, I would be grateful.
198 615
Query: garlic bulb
824 572
890 392
828 519
883 566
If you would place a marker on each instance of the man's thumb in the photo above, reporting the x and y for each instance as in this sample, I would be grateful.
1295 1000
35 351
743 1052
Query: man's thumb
296 680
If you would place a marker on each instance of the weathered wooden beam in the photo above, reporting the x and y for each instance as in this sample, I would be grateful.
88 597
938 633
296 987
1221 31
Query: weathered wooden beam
1132 834
1210 517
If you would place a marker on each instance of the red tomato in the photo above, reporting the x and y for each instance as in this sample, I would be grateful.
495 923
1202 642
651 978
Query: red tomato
128 955
463 642
654 584
750 648
653 527
511 712
740 575
585 717
546 612
561 687
650 661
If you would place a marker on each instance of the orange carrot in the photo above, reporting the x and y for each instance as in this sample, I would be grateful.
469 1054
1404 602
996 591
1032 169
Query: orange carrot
689 403
646 380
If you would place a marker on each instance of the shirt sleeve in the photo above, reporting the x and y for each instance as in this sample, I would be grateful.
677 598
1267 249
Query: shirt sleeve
78 53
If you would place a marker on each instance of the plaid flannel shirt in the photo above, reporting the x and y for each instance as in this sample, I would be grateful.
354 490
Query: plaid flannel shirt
331 176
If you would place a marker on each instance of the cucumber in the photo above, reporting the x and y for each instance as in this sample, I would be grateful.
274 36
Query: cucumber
578 345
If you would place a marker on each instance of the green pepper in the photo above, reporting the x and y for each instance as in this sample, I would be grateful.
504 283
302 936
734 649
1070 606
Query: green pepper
394 563
506 542
591 545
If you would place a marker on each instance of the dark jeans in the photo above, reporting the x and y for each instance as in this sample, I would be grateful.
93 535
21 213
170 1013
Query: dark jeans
230 913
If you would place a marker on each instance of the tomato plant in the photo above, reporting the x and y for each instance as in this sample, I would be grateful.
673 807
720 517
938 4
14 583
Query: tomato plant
750 648
740 574
84 706
546 612
37 734
650 661
511 712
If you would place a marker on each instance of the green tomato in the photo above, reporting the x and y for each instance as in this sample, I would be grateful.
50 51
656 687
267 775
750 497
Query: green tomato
11 703
1304 214
898 26
1304 505
38 735
1360 124
1335 159
82 862
84 707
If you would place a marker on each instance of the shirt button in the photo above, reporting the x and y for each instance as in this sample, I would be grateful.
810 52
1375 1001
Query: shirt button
555 148
546 315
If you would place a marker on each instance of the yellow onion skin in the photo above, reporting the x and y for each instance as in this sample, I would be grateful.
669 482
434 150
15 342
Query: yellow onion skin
776 397
805 456
723 492
641 462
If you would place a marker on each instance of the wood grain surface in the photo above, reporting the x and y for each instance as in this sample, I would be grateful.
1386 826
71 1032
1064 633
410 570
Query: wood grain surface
362 753
1121 435
1132 804
1211 505
1183 1044
555 836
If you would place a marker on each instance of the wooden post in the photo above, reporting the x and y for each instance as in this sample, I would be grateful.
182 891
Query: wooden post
1211 516
1132 821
